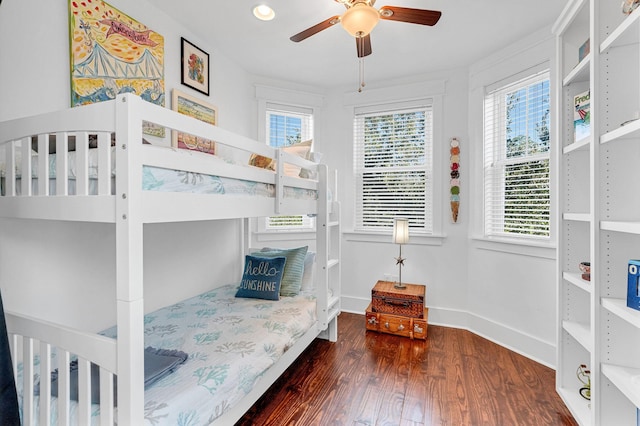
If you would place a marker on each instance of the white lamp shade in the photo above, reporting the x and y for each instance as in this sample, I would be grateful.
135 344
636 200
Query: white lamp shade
360 19
401 231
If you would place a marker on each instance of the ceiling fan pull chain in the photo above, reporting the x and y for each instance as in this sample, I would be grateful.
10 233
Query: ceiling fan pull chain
362 83
361 66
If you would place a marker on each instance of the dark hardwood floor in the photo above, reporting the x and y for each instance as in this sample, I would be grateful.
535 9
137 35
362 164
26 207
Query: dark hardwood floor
368 378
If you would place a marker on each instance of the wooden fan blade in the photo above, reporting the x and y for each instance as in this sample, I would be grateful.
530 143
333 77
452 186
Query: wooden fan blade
364 46
410 15
315 29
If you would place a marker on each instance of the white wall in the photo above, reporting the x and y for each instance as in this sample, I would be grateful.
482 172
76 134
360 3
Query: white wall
511 291
180 260
441 267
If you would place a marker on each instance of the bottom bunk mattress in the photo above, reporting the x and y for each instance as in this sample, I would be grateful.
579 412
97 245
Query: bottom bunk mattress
230 343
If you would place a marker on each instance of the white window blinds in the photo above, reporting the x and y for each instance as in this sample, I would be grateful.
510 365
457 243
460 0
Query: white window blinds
288 125
393 168
516 159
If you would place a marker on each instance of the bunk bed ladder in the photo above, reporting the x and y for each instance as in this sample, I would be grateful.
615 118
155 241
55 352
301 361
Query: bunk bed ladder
328 248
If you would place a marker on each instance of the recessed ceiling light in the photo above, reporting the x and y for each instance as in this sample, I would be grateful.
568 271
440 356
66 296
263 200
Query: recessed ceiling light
263 12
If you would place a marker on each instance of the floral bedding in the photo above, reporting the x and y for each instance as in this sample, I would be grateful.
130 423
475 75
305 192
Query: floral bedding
166 180
230 341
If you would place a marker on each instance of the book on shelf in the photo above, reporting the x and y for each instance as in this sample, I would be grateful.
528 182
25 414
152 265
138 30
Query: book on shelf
633 285
584 50
581 116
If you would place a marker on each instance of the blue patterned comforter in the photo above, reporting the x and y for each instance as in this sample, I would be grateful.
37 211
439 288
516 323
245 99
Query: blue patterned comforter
167 180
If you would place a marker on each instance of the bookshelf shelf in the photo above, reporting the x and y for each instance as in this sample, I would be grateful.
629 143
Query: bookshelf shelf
577 146
580 332
580 73
625 34
619 308
576 279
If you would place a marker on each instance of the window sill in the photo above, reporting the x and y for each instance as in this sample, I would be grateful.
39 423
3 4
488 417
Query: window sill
373 237
545 250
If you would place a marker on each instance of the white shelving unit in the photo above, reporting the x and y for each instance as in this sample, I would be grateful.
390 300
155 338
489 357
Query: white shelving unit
599 219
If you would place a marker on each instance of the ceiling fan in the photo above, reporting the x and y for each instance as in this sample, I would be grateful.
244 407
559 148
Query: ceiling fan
361 17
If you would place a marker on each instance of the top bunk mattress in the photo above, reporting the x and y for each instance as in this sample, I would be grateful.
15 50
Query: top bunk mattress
161 179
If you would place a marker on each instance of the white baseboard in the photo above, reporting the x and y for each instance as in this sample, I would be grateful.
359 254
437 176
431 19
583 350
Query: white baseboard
522 343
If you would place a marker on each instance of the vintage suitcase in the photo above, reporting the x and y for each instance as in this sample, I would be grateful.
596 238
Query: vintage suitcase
385 298
414 328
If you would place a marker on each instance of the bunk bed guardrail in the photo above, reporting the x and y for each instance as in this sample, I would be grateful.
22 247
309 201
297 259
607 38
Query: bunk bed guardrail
124 118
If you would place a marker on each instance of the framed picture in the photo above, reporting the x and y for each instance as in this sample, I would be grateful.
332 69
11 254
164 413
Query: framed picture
113 53
195 67
193 107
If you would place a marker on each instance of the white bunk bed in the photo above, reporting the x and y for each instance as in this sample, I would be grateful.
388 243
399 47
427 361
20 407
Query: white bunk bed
98 194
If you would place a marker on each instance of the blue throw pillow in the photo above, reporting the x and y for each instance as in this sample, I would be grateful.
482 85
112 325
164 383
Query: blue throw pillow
262 277
293 270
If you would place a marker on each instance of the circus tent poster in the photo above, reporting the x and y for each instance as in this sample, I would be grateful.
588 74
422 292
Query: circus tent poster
112 53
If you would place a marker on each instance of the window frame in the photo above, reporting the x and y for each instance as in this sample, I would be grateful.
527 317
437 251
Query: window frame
431 167
494 167
265 107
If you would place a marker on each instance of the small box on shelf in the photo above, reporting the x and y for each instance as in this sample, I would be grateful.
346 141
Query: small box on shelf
633 285
585 268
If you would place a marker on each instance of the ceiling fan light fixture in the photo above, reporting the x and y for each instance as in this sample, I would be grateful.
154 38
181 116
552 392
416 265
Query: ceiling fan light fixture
263 12
360 19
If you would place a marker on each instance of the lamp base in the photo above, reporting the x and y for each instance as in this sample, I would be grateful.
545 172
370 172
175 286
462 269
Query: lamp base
399 285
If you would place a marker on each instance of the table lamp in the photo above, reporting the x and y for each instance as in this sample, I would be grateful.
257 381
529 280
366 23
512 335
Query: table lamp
400 236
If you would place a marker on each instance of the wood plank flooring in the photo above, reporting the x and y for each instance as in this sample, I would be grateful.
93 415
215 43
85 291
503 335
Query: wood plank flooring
366 378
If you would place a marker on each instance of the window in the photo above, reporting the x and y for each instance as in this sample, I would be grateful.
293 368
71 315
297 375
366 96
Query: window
286 128
393 167
287 125
516 159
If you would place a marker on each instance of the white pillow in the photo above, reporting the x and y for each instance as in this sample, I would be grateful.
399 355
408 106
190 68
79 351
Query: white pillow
308 174
302 150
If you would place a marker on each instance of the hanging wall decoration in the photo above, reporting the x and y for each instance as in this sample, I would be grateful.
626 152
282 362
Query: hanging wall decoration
112 53
454 190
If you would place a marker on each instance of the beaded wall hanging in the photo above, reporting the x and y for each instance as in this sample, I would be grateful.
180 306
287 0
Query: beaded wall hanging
454 190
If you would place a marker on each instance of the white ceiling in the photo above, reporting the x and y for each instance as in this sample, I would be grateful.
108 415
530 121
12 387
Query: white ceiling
467 31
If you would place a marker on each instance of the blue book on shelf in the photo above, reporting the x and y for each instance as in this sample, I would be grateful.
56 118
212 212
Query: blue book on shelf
633 285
